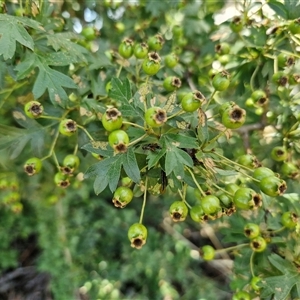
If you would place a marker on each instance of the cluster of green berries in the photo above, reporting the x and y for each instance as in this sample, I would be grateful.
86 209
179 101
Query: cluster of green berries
10 193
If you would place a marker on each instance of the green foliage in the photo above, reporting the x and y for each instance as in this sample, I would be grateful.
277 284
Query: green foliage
205 148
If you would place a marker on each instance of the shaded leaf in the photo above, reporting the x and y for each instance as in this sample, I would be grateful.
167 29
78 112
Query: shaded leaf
130 165
54 81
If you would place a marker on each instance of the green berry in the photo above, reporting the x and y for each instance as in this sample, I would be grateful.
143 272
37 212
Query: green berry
207 252
262 172
178 211
155 117
118 140
197 213
171 60
33 109
140 50
137 235
61 180
221 81
294 26
279 153
246 198
258 244
210 204
67 127
259 98
151 64
248 160
126 48
251 230
112 119
156 42
234 117
236 24
272 186
32 166
171 83
289 220
192 101
289 170
122 196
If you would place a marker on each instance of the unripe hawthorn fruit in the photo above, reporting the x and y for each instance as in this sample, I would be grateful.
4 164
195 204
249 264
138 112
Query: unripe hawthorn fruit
156 42
259 98
137 235
294 26
279 153
222 48
112 119
33 109
192 101
155 117
226 106
67 127
289 170
234 117
280 78
289 220
251 230
236 24
151 64
32 166
207 252
249 161
178 211
221 81
272 186
171 60
262 172
122 196
210 204
197 213
258 244
89 33
70 163
61 180
285 61
171 83
140 50
118 140
246 198
126 48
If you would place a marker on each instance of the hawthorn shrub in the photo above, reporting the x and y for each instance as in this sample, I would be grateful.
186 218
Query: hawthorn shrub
186 114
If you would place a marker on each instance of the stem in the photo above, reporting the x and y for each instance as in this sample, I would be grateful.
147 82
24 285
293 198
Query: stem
221 189
210 98
134 124
52 146
86 132
119 71
232 248
75 149
56 161
195 181
251 263
144 201
233 162
278 230
176 114
253 76
49 117
137 140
